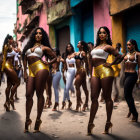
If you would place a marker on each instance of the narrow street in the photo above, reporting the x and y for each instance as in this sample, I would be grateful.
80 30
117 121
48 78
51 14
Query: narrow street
65 124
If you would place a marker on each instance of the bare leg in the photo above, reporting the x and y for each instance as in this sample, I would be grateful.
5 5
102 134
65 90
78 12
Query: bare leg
40 81
95 91
12 76
107 90
30 87
78 83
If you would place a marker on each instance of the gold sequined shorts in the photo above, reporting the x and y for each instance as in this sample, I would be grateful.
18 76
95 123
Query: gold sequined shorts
8 65
102 72
37 66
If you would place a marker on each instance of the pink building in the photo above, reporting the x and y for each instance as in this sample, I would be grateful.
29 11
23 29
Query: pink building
30 14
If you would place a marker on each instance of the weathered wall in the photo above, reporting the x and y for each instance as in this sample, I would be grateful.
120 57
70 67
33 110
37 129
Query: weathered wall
101 16
43 18
117 6
118 31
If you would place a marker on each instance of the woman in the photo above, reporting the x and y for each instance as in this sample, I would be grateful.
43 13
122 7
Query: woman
132 59
56 74
102 76
9 54
70 74
37 46
80 80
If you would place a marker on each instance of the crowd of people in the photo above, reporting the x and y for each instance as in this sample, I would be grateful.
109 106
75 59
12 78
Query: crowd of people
41 69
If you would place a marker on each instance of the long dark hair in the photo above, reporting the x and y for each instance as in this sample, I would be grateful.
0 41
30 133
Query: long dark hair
133 42
32 40
85 46
66 51
57 51
6 41
108 41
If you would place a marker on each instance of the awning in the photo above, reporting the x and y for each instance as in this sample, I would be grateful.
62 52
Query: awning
34 7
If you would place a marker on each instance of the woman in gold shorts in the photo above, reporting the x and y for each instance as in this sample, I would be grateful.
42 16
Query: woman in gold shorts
9 54
37 46
80 80
102 76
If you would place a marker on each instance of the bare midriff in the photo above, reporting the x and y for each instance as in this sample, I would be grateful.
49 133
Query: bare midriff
130 67
32 59
71 65
97 61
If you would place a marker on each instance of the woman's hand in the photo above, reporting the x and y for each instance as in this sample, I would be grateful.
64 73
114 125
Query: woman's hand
108 65
46 63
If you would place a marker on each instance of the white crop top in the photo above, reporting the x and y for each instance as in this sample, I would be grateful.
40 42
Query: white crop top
70 61
13 53
99 53
128 59
37 52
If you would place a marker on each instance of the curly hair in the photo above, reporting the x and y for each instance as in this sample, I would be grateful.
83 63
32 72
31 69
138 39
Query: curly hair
32 40
108 41
6 41
66 51
133 42
85 46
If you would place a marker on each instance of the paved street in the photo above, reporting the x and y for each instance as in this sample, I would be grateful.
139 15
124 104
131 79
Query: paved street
65 124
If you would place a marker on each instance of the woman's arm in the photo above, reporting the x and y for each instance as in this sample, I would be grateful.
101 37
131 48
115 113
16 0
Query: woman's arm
25 68
86 62
118 57
49 52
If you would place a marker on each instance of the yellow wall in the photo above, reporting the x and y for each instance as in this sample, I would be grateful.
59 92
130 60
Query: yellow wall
118 31
117 6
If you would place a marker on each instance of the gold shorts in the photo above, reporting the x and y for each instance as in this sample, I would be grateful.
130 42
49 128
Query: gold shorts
8 65
37 66
102 72
81 69
117 70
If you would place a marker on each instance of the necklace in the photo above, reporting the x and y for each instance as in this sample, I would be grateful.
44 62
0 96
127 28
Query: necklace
131 53
37 44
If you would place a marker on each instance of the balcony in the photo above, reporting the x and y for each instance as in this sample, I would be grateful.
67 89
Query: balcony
36 6
57 11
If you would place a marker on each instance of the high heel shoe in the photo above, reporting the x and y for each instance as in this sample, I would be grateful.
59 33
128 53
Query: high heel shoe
37 126
27 124
63 105
55 106
134 118
85 106
47 101
107 127
70 105
128 115
78 107
49 104
12 104
7 106
90 128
